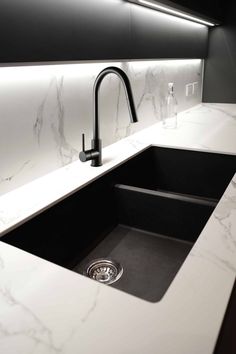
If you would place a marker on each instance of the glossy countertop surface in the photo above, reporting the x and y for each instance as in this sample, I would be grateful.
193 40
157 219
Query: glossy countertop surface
47 309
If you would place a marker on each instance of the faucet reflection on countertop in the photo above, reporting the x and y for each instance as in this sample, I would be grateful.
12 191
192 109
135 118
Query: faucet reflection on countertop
95 153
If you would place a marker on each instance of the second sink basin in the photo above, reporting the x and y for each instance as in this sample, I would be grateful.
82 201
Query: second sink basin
188 172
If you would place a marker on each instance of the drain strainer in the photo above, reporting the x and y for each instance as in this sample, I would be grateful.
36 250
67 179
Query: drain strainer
105 271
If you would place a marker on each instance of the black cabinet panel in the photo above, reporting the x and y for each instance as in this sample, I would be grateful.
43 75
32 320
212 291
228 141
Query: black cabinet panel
32 30
68 30
156 35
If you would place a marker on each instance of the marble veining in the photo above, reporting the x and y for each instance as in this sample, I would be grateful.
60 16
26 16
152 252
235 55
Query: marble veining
223 230
225 214
45 109
149 92
38 124
29 325
117 134
19 170
219 108
65 151
31 331
93 306
45 309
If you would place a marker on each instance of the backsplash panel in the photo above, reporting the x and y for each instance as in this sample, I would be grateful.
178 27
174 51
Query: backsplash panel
45 109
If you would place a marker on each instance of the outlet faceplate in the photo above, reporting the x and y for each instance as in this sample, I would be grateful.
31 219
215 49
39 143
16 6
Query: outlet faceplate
191 89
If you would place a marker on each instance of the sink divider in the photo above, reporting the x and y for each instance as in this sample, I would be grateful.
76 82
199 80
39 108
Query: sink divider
171 214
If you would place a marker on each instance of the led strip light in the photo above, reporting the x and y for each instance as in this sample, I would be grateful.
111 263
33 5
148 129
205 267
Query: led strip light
174 12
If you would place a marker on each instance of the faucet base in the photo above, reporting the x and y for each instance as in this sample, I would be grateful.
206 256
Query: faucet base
96 145
95 164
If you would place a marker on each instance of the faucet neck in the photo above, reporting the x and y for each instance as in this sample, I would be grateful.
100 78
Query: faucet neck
128 93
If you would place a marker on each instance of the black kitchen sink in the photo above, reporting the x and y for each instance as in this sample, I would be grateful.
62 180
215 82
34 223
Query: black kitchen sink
145 214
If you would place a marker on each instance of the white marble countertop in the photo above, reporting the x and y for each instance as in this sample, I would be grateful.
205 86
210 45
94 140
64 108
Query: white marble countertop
47 309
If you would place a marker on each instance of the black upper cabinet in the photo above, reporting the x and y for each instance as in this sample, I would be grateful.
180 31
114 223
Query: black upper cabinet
155 36
214 9
73 30
60 30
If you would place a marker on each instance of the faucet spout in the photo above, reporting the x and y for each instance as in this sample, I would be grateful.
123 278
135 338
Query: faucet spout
95 154
128 93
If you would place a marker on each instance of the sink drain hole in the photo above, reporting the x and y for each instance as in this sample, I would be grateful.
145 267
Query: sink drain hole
105 271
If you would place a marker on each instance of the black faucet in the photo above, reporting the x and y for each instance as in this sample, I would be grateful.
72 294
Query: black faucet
95 153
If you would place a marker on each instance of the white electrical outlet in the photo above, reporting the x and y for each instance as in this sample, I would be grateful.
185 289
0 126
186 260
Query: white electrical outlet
189 89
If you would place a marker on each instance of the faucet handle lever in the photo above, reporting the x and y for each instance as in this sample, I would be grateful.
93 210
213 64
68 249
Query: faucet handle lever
83 155
83 142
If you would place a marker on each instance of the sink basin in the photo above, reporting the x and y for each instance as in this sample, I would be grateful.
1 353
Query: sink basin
188 172
145 214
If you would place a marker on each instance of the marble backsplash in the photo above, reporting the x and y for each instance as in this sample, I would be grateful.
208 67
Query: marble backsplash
44 109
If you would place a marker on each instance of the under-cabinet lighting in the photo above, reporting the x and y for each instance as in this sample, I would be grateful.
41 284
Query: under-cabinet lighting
171 11
30 73
178 63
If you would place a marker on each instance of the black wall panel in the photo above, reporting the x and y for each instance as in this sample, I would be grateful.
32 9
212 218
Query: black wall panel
67 30
220 66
